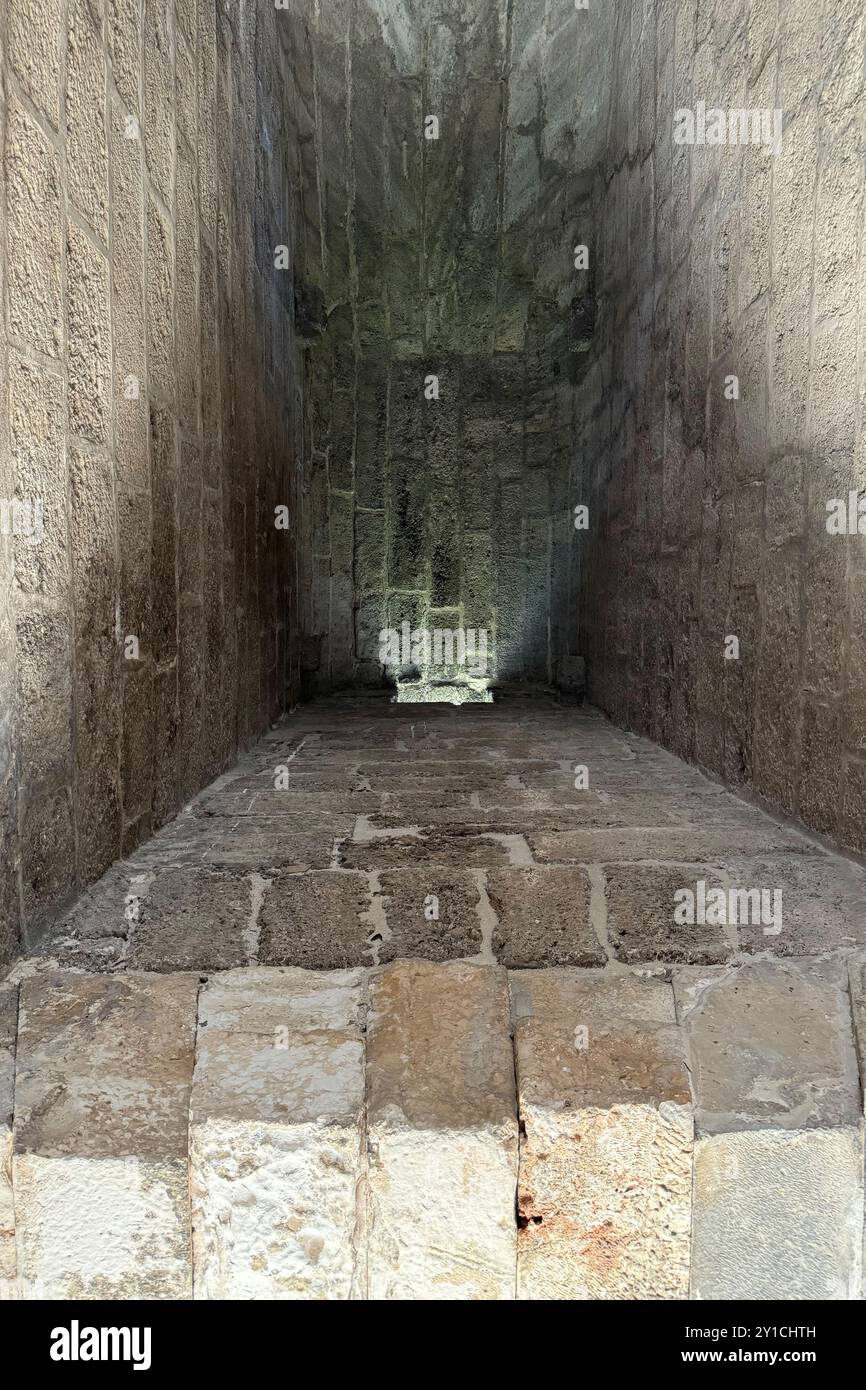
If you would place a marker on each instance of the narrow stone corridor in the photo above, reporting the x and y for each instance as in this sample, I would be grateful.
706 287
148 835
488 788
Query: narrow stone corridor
432 650
403 1007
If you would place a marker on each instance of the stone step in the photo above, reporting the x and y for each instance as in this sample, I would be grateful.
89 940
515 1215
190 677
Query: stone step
435 1131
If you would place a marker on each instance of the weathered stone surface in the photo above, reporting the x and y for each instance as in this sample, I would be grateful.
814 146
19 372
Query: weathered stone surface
606 1125
778 1214
779 1163
424 846
8 1030
543 917
434 914
277 1135
103 281
103 1077
315 920
442 1133
193 919
641 925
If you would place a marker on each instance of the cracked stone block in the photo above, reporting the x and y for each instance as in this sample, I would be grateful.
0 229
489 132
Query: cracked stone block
100 1169
8 1028
431 913
315 920
277 1134
641 925
607 1131
191 919
543 918
778 1198
442 1133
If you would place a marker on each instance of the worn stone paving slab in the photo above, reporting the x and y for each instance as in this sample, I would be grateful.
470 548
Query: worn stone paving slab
607 1130
100 1171
778 1195
425 848
543 918
435 915
693 844
442 1134
315 920
641 915
191 919
277 1135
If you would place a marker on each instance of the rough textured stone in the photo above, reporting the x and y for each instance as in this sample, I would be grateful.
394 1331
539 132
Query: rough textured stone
99 374
442 1134
103 1077
606 1147
411 897
543 918
191 920
315 920
779 1162
277 1135
8 1030
641 904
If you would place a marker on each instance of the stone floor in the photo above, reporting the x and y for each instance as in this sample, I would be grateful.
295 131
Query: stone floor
339 837
397 1010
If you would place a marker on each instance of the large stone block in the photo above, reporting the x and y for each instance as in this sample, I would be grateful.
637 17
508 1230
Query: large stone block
277 1135
442 1134
606 1149
86 148
778 1204
543 917
35 32
37 443
89 332
100 1138
34 234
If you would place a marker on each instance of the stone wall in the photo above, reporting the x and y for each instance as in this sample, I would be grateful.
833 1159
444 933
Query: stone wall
448 257
150 400
708 510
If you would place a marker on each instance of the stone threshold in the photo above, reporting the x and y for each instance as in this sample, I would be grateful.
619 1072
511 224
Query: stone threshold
430 1130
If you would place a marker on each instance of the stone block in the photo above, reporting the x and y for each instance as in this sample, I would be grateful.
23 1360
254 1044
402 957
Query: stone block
100 1167
35 41
315 920
412 896
34 234
442 1134
192 919
543 917
88 328
160 302
37 443
277 1135
606 1138
86 147
778 1204
641 903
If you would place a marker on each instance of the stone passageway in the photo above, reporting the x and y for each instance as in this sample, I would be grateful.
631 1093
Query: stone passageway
394 1009
432 648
